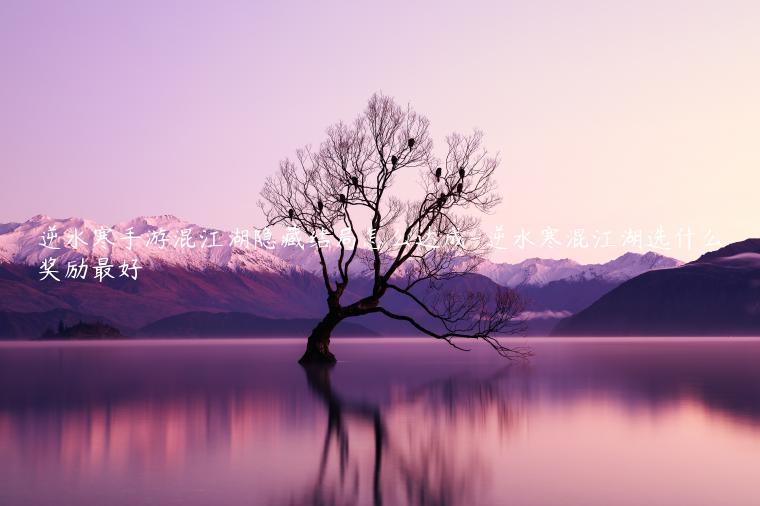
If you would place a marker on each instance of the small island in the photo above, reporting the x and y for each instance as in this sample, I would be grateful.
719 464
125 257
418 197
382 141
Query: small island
81 330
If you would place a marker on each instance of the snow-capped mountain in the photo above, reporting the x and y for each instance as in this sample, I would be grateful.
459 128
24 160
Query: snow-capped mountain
211 272
540 271
534 272
154 241
160 241
188 268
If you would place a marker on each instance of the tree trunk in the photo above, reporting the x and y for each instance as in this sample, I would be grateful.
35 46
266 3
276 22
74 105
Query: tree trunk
318 344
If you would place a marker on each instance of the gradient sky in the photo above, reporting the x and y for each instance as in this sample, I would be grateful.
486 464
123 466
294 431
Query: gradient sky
607 115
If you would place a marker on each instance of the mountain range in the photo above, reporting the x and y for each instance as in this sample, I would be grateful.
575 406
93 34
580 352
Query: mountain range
716 295
533 272
225 276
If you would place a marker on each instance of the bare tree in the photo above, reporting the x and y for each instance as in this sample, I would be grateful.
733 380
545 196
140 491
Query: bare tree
414 247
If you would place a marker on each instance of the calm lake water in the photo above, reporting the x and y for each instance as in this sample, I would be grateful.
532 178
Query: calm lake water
397 421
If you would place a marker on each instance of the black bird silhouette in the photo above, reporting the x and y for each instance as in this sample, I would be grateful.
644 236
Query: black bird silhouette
291 212
461 172
355 181
438 174
459 188
442 198
394 160
320 205
410 142
342 198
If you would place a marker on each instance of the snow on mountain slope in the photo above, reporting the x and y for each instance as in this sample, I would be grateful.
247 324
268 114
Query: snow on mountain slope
628 266
152 240
540 272
8 227
308 259
531 272
157 241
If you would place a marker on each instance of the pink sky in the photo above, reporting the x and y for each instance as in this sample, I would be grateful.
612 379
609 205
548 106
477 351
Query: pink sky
607 115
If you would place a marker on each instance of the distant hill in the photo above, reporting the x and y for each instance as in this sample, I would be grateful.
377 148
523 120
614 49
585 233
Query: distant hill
82 330
204 324
717 294
31 325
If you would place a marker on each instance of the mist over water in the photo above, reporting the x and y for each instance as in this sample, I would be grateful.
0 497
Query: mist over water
397 421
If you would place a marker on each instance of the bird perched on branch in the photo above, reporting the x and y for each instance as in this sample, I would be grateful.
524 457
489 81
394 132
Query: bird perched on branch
410 143
291 212
438 174
394 160
342 198
355 181
461 172
320 205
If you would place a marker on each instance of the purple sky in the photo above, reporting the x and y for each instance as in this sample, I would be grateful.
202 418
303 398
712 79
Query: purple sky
608 115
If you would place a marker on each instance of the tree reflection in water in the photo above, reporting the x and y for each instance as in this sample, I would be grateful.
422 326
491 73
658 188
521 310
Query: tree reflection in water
418 463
